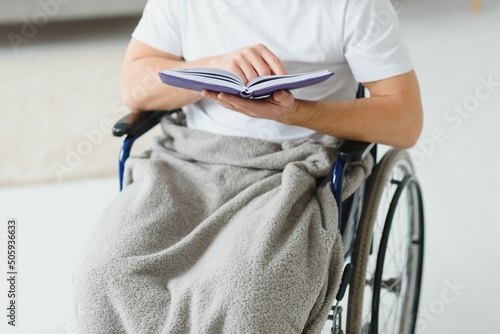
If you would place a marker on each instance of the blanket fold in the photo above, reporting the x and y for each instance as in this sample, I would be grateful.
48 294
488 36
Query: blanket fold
217 234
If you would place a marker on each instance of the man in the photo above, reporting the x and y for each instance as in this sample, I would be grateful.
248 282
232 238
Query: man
227 225
359 41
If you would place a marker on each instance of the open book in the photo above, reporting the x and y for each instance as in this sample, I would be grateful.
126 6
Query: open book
219 80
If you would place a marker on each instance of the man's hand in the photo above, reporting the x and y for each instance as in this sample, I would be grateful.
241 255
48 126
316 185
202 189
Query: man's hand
250 62
280 107
392 115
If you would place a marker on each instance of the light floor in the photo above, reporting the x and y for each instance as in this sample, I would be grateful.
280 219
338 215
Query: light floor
454 50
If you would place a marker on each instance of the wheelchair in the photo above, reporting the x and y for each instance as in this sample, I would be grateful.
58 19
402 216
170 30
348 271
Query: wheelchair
382 228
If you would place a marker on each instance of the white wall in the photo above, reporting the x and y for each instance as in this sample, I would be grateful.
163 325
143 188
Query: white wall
22 11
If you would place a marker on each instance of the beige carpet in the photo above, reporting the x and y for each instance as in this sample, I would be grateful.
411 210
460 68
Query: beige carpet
59 98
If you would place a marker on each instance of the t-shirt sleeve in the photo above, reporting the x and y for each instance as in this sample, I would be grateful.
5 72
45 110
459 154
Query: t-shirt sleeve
373 42
160 26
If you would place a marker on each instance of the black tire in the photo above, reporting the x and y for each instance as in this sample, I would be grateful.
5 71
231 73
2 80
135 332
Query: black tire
384 291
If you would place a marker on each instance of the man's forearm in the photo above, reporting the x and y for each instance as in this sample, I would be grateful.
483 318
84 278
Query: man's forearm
392 115
143 90
381 119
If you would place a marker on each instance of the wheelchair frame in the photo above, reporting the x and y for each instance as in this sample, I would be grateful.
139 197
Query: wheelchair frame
135 125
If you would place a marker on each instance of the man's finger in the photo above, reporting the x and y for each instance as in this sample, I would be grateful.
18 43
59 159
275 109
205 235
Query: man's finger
248 69
235 67
254 57
273 62
221 98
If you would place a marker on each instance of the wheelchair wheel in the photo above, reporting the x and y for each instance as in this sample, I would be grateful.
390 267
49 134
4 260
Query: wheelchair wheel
388 252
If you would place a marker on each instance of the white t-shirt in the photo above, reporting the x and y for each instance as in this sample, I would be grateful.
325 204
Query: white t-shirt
358 40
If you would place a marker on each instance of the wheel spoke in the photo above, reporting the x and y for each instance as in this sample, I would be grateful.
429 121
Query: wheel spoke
390 311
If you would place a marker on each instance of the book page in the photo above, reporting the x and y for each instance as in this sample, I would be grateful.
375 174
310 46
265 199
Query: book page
215 73
268 84
200 79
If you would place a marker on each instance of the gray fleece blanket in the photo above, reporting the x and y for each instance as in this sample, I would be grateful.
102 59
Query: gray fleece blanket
216 234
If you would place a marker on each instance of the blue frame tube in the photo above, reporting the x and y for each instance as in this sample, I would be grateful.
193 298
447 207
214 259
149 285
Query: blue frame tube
336 186
124 154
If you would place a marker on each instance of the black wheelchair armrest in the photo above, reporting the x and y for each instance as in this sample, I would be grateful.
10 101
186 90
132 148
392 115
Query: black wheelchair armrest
136 124
354 151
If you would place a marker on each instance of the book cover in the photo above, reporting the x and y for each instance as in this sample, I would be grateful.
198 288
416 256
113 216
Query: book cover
219 80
